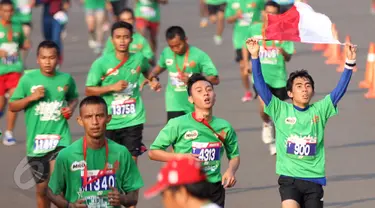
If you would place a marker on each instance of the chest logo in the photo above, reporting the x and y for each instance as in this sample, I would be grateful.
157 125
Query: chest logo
190 135
78 165
291 120
169 62
236 5
114 73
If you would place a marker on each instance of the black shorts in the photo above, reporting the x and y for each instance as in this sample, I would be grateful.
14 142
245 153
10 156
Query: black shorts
130 137
306 193
280 93
40 168
174 114
217 194
284 8
214 9
239 56
118 6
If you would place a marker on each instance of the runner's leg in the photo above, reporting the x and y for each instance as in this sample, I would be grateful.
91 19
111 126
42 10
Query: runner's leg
90 21
99 19
11 120
154 30
203 13
26 27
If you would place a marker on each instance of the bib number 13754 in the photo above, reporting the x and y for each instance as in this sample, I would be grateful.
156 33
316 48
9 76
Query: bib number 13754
124 109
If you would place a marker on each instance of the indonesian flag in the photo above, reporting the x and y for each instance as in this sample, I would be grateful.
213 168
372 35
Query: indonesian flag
300 24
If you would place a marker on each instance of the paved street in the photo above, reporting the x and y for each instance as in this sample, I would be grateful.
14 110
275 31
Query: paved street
350 138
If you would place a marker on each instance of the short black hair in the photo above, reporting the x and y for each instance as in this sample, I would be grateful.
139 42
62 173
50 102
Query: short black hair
195 78
299 73
120 24
273 4
6 2
174 31
128 10
48 44
94 100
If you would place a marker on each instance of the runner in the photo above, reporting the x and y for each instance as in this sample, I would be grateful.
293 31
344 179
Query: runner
12 40
94 170
201 136
116 7
216 14
147 14
49 98
95 14
273 55
285 5
300 159
203 11
187 188
181 60
117 81
242 13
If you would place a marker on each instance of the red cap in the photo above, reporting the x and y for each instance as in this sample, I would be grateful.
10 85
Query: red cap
176 172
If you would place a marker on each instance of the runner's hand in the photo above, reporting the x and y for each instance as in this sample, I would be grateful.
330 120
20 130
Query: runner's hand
66 112
78 204
145 82
114 197
239 14
155 85
184 77
38 93
350 51
228 180
3 53
119 86
253 47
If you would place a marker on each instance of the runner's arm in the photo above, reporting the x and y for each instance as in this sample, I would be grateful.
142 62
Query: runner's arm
57 200
98 91
343 83
259 83
129 199
154 72
234 163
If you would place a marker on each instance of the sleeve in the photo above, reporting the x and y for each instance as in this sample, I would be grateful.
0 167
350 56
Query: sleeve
231 144
288 47
57 180
161 61
259 83
326 107
146 50
166 137
229 10
72 90
95 74
20 91
207 66
131 178
274 107
341 87
145 65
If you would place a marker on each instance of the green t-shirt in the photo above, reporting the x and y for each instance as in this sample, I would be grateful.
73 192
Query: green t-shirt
176 97
23 12
94 4
187 135
46 128
126 107
67 176
148 10
272 61
215 2
13 62
300 137
251 12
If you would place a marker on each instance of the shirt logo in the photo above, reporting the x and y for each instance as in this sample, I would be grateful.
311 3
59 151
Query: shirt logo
251 5
189 135
291 120
16 34
192 64
169 62
113 73
315 119
133 71
62 89
236 5
78 165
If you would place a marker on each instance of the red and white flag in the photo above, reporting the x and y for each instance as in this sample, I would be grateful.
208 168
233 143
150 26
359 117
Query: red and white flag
300 24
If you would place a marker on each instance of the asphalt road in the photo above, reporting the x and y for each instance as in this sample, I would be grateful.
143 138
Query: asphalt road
349 137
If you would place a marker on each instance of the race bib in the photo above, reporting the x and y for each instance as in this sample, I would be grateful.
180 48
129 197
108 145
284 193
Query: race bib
44 143
96 193
301 147
148 11
25 10
177 83
9 60
246 19
268 55
128 107
209 153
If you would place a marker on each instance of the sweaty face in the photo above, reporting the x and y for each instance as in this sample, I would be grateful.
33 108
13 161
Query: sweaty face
121 39
94 119
6 12
47 60
302 91
127 17
202 95
177 45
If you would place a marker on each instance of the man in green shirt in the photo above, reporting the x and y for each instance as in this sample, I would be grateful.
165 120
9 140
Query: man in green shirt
201 136
94 171
216 14
181 60
242 13
273 57
49 98
115 77
12 39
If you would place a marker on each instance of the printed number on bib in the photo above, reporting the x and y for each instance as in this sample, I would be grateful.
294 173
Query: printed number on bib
301 147
46 142
246 19
127 108
148 11
101 184
209 151
268 55
9 60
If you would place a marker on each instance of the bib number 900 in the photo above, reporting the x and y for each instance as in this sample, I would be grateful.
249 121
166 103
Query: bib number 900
302 149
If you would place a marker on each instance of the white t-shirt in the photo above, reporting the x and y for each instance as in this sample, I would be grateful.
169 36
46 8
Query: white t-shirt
210 205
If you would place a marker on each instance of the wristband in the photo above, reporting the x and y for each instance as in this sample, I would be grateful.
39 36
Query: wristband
350 64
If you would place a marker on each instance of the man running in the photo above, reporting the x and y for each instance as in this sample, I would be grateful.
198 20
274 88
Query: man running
95 14
116 7
12 40
94 171
147 14
242 13
273 57
300 159
201 136
216 15
115 77
181 60
49 98
188 181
